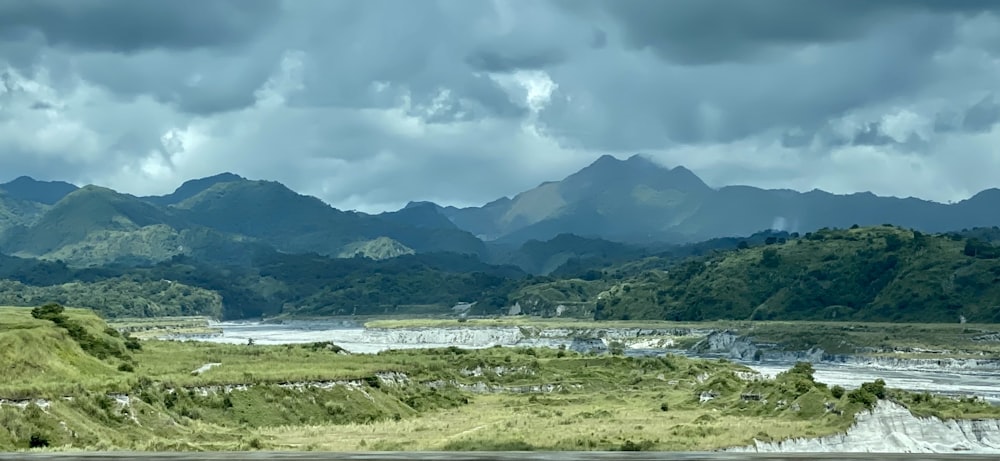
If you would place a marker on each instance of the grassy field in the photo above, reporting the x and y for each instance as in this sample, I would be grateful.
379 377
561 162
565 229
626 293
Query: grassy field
68 393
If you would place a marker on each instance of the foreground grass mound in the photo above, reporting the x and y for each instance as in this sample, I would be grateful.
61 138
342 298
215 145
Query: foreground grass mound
859 274
59 351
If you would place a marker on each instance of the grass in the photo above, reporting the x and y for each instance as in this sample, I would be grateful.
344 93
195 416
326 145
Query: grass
598 421
598 402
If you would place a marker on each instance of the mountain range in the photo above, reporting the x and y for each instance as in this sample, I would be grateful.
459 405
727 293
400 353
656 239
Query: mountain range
632 206
639 201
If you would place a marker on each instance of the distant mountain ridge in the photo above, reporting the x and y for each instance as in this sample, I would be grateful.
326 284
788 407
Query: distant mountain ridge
638 201
223 218
635 202
45 192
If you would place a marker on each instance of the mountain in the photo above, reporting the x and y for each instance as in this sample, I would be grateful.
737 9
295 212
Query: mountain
420 214
29 189
98 226
292 222
16 213
630 200
85 211
223 219
639 201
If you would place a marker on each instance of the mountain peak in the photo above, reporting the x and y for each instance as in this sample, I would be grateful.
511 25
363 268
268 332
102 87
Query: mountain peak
420 204
33 190
636 169
194 187
639 159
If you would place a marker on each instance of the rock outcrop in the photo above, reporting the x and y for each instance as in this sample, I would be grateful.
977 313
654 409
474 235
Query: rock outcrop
891 428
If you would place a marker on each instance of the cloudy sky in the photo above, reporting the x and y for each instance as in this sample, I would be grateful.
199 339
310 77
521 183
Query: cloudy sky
369 104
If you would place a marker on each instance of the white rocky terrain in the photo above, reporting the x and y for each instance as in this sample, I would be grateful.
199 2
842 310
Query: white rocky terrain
891 428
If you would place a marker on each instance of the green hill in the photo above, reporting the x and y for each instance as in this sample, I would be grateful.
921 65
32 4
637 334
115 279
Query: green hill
298 223
118 297
88 210
54 357
94 226
870 273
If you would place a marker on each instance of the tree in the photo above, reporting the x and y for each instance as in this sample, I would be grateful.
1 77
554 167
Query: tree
743 245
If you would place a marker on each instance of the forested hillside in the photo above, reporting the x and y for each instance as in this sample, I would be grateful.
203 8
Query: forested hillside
870 273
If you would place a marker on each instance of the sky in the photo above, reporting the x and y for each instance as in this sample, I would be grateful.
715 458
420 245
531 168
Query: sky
371 104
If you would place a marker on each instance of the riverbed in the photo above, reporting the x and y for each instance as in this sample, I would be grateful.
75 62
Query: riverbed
357 339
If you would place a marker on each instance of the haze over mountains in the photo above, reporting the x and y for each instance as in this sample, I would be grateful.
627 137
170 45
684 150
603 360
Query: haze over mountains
635 201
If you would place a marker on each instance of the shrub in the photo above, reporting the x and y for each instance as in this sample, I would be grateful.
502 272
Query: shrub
837 392
643 445
50 311
863 397
132 344
38 441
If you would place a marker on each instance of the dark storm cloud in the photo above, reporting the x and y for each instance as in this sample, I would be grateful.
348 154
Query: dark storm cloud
710 31
133 48
129 26
978 117
196 82
661 104
488 60
981 116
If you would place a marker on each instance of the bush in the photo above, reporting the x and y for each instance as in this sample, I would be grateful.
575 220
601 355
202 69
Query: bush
126 367
38 441
863 397
837 392
664 407
868 394
132 343
644 445
50 311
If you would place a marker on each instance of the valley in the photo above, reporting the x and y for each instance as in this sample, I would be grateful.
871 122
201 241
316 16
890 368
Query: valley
237 314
